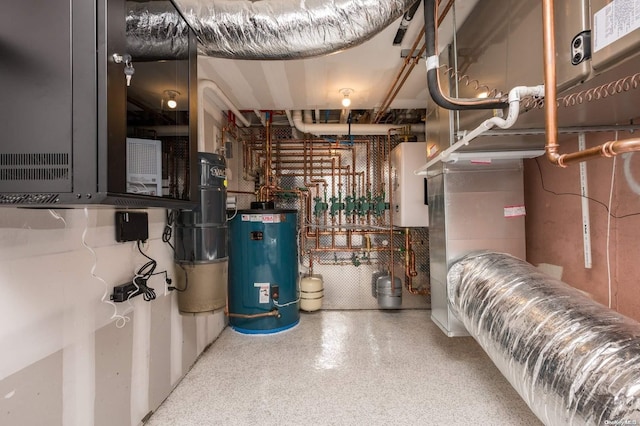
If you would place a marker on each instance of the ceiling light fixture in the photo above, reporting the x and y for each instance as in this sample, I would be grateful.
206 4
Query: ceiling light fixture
346 101
170 96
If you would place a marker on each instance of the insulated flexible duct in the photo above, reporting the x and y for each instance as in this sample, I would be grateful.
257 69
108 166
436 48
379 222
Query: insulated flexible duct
155 32
267 29
572 360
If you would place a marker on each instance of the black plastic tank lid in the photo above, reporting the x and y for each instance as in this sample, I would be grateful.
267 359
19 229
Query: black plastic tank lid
262 205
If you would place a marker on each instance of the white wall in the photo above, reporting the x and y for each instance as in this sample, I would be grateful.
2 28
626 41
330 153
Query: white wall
57 270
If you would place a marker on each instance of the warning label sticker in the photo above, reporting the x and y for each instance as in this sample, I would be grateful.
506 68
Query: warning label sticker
246 217
614 21
256 218
267 218
514 211
263 292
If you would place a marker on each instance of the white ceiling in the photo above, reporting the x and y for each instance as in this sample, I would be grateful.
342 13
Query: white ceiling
368 69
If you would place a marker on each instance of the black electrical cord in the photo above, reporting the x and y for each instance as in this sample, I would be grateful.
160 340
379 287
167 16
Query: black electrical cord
166 237
143 274
186 280
168 229
581 196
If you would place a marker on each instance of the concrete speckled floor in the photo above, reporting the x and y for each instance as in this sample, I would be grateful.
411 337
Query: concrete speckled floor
345 368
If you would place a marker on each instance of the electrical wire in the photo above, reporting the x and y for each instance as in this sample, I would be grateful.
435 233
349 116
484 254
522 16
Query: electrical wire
286 304
607 208
235 213
143 274
166 238
121 320
186 280
168 229
57 216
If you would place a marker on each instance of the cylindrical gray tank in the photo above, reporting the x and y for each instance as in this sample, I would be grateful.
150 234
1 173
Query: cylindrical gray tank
201 242
374 282
201 233
389 296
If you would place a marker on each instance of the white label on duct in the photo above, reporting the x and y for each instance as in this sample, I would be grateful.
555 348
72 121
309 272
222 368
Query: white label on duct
514 211
267 218
277 217
263 292
256 218
614 21
246 218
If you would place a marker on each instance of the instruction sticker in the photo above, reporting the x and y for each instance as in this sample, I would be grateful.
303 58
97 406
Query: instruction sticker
263 292
514 211
614 21
256 218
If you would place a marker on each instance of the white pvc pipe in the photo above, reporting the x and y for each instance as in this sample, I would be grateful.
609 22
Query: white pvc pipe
211 85
343 129
514 110
288 112
261 117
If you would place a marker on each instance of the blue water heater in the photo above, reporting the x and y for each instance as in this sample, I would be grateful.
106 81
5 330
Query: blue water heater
263 270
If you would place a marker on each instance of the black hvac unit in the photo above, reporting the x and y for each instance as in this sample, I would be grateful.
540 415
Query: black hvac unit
72 130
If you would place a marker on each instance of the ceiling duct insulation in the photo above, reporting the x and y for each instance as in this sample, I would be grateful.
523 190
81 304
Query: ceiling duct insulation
267 29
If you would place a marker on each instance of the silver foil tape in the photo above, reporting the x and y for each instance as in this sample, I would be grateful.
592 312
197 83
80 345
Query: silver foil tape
571 359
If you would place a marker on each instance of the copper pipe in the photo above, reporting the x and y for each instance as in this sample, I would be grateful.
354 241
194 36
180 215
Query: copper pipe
388 98
229 191
267 172
550 90
607 149
412 263
346 250
272 313
318 232
410 266
414 59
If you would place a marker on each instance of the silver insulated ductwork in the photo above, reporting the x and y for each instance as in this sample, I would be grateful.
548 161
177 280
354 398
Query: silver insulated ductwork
572 360
266 29
155 32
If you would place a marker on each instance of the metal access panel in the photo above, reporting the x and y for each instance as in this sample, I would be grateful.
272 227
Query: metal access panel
572 21
409 190
616 31
472 207
38 68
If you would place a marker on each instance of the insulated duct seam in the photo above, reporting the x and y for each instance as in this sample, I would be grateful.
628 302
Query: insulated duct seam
572 360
